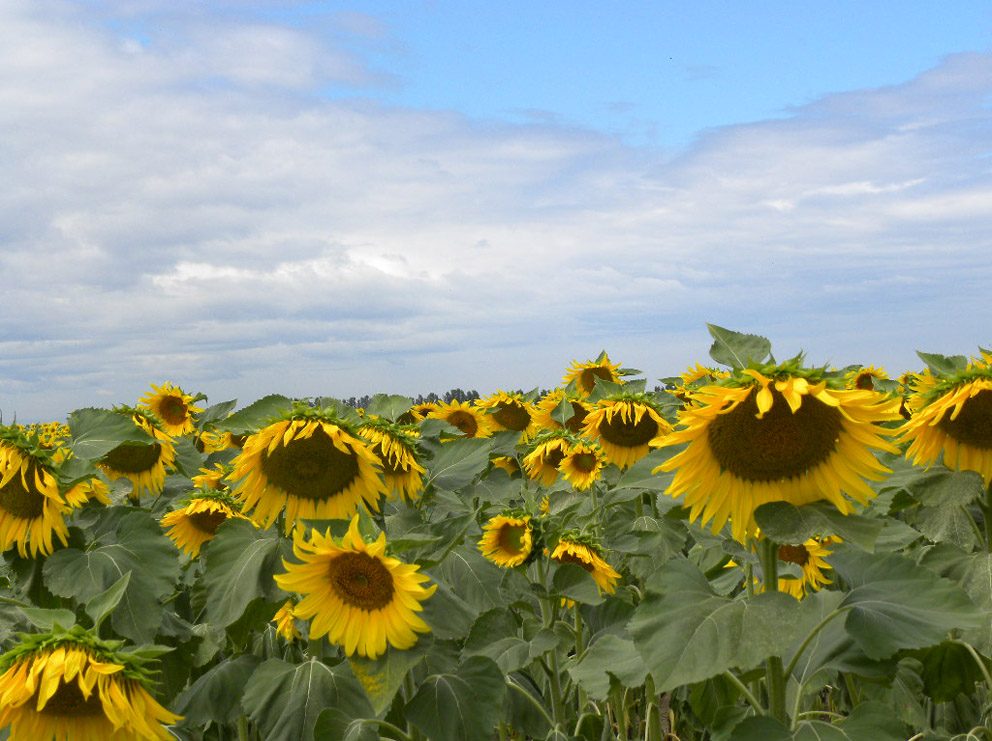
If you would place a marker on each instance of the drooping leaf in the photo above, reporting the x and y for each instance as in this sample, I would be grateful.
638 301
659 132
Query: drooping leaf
45 619
786 523
95 432
737 350
216 696
575 583
609 655
101 604
949 670
463 705
473 577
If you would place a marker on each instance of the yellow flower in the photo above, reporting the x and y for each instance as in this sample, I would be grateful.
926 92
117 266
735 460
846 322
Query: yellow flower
31 508
506 463
585 374
810 558
545 408
417 413
359 597
173 407
542 462
626 429
213 478
587 556
509 411
285 620
311 468
69 691
582 464
864 378
143 464
781 438
82 492
507 541
196 523
397 449
467 418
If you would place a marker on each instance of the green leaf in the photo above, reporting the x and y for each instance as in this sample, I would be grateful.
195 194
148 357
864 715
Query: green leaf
786 523
95 432
869 720
100 605
737 350
459 706
216 696
333 724
448 615
382 677
459 462
189 460
895 604
948 670
285 699
45 619
510 653
608 656
574 582
976 580
943 365
256 415
389 406
473 577
215 413
760 728
238 567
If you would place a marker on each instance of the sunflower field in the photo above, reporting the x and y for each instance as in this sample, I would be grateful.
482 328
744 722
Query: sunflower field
756 550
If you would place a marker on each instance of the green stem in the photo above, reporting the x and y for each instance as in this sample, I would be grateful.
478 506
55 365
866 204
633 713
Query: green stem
808 639
652 731
579 650
385 724
243 730
512 683
639 506
409 690
774 674
548 614
987 511
978 660
748 695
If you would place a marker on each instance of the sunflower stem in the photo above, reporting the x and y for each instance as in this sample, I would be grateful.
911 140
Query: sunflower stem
652 730
774 673
579 650
987 512
548 614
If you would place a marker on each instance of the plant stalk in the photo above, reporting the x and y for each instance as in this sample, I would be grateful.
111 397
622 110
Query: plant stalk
774 672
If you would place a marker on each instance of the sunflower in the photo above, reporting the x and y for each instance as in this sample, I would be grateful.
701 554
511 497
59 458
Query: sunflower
83 491
417 413
196 522
213 478
285 620
777 435
31 508
358 597
864 377
626 427
510 411
70 685
143 464
309 464
582 464
578 549
506 463
809 557
545 408
173 407
951 415
466 417
507 540
585 374
396 447
546 454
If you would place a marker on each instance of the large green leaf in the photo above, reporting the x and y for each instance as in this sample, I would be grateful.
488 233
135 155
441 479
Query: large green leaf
736 349
869 720
382 677
609 656
142 549
333 724
473 577
256 415
976 580
95 432
459 706
238 567
943 365
285 699
459 462
216 696
895 604
574 582
389 406
786 523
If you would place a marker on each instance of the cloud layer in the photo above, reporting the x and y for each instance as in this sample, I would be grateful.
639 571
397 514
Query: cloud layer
219 201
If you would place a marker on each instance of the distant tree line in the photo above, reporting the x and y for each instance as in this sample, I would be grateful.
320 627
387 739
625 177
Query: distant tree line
360 402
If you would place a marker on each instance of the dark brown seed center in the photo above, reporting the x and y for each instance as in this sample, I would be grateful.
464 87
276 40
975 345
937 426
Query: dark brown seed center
512 415
173 410
793 554
572 558
207 522
68 701
310 468
628 434
587 379
133 458
973 425
464 421
26 504
361 580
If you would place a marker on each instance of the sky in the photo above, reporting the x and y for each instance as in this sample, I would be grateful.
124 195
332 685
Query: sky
347 198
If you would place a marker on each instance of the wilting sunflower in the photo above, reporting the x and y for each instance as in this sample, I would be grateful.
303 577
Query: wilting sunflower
546 454
309 464
197 520
143 464
31 508
585 374
626 427
471 421
581 550
507 540
544 411
396 447
582 464
776 435
173 407
952 415
285 620
510 411
359 597
71 685
809 557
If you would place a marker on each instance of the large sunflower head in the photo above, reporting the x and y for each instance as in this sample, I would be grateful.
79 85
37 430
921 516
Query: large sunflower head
143 464
32 509
396 447
508 539
776 434
71 685
547 452
472 421
173 407
577 548
951 414
626 426
309 464
510 411
582 464
585 374
356 595
196 521
572 415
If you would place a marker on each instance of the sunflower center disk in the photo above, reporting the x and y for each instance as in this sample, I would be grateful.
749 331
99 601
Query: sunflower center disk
391 465
512 416
780 445
973 425
464 422
20 502
173 410
131 458
311 468
574 423
361 580
553 458
207 522
585 462
511 538
628 434
793 554
587 379
572 558
68 701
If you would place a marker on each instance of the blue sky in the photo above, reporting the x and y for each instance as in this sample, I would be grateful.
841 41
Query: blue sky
345 198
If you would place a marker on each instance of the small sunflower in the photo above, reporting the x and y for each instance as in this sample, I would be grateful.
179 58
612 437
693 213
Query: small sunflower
547 452
89 489
626 427
73 686
396 447
506 463
143 464
577 549
864 378
582 464
310 465
196 522
585 374
213 478
545 408
951 415
359 597
417 413
776 435
510 411
507 540
173 407
466 417
285 620
809 557
32 509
